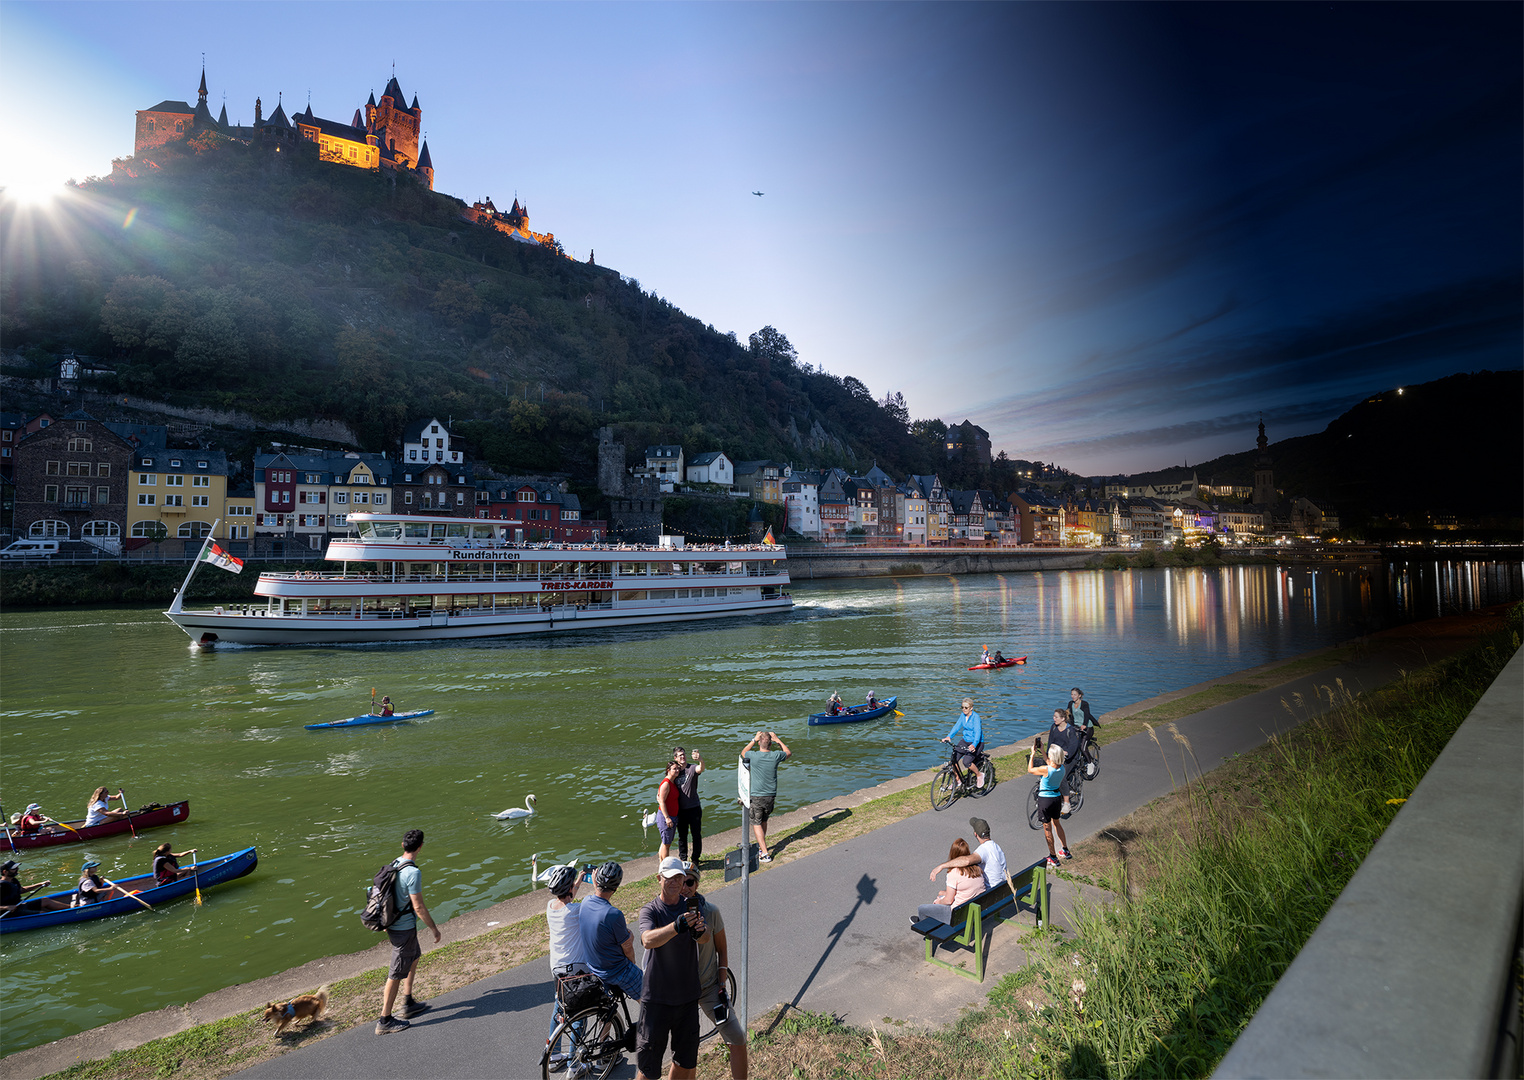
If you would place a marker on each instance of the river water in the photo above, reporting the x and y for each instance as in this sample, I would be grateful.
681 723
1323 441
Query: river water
584 722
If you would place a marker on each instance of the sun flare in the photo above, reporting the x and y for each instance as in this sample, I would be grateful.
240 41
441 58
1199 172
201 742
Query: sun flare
33 193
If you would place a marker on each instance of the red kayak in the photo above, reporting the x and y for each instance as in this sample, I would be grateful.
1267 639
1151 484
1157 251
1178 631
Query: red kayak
1003 663
146 818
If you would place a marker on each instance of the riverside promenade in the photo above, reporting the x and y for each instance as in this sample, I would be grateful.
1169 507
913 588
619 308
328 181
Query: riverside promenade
829 930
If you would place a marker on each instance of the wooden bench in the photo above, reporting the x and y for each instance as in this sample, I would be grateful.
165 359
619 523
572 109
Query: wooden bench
989 907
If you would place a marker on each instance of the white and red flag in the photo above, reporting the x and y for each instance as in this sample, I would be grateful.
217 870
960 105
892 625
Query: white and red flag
217 557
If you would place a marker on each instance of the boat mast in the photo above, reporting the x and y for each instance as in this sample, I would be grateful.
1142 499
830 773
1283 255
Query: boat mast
177 606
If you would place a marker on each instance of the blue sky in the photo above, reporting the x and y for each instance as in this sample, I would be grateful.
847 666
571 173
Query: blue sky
1112 235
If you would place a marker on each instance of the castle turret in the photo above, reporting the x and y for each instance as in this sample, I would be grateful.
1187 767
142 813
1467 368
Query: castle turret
201 94
426 165
1264 476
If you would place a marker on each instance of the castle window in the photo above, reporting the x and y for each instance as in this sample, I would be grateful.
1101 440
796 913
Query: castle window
180 125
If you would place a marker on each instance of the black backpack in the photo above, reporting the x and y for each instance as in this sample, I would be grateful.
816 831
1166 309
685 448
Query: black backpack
381 904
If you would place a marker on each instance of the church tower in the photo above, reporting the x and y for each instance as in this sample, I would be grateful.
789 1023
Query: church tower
1264 477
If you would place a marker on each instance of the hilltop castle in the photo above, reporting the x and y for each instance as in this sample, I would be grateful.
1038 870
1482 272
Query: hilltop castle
382 135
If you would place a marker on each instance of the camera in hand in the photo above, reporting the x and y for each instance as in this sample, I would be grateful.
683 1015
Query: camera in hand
721 1006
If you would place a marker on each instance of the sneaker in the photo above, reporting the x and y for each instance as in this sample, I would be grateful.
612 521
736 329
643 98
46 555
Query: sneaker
388 1024
1066 811
764 858
1063 853
412 1007
1052 863
557 1062
914 919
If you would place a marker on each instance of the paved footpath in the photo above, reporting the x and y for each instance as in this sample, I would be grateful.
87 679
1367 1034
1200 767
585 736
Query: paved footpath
829 930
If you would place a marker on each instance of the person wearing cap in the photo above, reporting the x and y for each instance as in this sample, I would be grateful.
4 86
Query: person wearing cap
988 856
561 914
669 1000
608 947
714 964
13 894
833 707
92 888
32 820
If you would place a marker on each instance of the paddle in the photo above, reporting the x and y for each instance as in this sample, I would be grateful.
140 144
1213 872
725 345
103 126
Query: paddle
372 700
6 822
196 873
128 812
71 828
124 892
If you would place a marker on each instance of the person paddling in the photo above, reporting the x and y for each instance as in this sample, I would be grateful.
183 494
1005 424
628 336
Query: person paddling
166 864
13 894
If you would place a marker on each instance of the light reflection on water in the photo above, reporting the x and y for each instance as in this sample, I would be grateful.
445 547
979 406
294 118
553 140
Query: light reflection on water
583 722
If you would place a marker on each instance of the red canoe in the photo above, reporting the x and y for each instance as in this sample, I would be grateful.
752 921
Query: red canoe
1003 663
145 818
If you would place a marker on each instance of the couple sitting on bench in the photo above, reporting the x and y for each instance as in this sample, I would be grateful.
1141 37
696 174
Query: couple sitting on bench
968 873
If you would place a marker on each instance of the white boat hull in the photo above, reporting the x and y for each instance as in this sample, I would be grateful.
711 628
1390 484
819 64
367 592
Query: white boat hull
211 627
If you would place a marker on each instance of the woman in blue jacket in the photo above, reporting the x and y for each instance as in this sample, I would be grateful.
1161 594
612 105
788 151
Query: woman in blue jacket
967 736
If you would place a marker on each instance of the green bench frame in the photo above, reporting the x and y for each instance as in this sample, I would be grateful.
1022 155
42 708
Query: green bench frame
970 918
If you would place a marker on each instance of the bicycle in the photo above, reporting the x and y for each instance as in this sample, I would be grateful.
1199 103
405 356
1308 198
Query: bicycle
603 1035
1084 767
597 1035
951 782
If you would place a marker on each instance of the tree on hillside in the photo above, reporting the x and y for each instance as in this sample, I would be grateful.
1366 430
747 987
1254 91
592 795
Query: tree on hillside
772 351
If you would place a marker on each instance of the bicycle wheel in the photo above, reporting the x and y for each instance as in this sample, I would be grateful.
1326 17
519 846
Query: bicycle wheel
945 788
1032 816
1076 794
730 989
600 1047
990 780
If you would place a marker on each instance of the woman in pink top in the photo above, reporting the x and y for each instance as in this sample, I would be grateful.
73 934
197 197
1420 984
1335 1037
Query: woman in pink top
666 808
963 883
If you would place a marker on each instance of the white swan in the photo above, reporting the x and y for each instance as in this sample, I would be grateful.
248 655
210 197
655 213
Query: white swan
527 810
647 820
536 874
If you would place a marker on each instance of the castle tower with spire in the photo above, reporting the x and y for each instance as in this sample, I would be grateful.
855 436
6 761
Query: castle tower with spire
1264 476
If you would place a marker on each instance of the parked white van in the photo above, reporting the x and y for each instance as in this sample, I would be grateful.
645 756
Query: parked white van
30 549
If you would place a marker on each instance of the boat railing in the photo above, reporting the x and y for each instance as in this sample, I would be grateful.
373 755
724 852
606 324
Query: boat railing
382 578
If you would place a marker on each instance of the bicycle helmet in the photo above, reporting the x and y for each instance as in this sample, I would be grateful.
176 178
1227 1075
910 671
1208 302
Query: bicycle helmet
609 875
561 879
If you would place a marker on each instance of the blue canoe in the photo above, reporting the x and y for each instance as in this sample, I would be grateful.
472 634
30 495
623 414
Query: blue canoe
853 713
209 873
371 718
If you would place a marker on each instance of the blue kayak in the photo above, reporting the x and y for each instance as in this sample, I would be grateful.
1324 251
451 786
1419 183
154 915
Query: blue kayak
209 873
855 713
371 718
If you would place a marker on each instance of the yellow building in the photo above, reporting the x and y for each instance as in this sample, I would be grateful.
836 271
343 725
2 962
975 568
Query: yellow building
181 492
361 485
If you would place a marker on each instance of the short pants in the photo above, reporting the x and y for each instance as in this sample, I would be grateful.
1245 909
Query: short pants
761 810
730 1031
667 831
405 950
657 1024
1049 809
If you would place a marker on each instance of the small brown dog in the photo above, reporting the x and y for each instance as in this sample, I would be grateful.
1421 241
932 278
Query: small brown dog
308 1007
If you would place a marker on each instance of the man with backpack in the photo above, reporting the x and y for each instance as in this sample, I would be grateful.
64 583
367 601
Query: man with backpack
408 893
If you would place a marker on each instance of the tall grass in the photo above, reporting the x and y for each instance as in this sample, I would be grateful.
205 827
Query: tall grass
1162 982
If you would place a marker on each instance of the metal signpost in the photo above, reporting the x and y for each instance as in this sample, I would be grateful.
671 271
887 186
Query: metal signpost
739 864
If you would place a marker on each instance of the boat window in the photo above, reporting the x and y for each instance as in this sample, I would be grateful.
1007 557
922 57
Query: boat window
481 532
457 531
381 530
415 530
437 532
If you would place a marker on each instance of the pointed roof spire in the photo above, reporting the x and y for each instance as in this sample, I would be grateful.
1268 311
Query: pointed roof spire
222 119
359 120
202 91
372 101
414 106
424 161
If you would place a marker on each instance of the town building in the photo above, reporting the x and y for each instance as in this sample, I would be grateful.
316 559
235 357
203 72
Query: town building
70 479
538 511
712 467
938 509
913 515
665 465
1264 475
1041 517
967 523
801 500
425 441
760 480
834 515
968 441
176 493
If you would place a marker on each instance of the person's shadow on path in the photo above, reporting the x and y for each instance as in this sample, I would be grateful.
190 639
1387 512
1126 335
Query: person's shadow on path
867 889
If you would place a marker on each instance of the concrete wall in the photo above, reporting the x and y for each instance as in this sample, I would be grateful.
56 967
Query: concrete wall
1410 973
804 565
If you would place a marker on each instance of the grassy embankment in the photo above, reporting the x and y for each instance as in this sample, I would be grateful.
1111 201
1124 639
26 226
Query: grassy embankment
1221 884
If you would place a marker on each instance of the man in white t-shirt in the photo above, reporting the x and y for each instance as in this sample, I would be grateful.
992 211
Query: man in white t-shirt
566 957
989 857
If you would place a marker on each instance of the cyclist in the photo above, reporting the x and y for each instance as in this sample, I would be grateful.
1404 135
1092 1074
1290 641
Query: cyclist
1081 716
608 946
969 733
561 913
1066 735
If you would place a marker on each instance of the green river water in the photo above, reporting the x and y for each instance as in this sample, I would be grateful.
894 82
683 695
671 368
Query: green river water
584 722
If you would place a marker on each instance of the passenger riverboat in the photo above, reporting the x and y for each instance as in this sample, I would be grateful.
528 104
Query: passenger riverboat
407 578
